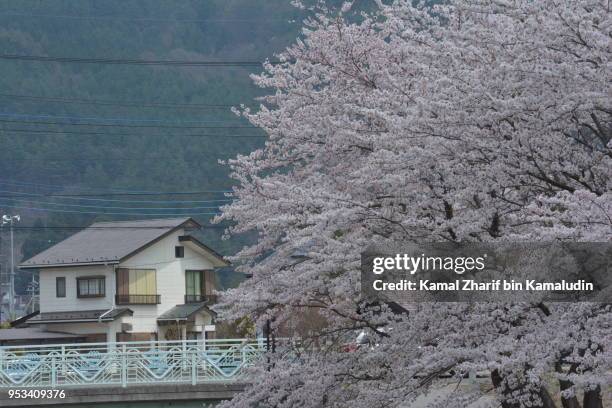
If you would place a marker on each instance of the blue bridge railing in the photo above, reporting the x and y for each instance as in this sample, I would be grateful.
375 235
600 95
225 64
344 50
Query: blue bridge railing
125 363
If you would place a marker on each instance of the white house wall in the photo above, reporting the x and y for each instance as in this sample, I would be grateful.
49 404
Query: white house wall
170 276
50 303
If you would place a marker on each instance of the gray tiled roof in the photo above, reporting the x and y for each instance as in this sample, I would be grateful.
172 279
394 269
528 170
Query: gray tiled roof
182 312
80 315
100 244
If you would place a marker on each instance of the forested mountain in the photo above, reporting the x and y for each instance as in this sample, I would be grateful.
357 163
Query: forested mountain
96 131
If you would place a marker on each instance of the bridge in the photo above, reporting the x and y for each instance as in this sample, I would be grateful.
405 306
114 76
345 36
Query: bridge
104 372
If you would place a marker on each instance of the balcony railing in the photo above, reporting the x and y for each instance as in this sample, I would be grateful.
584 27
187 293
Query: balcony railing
138 299
200 298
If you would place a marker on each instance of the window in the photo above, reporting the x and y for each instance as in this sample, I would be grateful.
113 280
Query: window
60 287
91 286
137 286
199 286
142 282
193 282
179 251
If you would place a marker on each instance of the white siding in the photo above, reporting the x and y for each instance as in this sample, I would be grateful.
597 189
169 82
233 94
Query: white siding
50 303
170 275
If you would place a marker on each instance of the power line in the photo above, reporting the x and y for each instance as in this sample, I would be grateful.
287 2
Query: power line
99 159
125 61
34 228
133 194
20 195
127 120
30 201
139 104
124 126
153 19
105 213
54 186
86 133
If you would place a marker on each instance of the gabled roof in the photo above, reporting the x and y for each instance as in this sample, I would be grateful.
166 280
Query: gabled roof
107 242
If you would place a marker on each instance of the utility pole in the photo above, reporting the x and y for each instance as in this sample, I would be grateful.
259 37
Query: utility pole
10 219
33 291
2 268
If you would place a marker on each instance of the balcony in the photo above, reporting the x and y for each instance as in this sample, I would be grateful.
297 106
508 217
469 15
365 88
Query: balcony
137 299
200 298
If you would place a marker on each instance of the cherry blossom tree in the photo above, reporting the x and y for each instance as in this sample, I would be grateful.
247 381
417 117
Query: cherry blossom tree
471 120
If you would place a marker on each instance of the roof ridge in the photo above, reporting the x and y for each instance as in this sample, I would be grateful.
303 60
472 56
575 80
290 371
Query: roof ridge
141 220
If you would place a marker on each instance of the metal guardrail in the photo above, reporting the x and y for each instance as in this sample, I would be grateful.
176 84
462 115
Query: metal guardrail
125 363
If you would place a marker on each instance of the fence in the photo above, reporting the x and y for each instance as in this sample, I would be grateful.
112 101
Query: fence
125 363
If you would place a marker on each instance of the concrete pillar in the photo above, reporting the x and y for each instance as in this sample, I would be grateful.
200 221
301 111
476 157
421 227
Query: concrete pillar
111 335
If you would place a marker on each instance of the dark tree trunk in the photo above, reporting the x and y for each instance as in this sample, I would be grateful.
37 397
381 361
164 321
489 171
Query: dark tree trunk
547 401
564 385
592 399
497 380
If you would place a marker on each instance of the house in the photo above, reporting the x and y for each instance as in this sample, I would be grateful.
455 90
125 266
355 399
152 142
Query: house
128 281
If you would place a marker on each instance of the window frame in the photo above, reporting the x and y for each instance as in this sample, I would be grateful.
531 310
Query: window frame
90 278
179 251
202 292
59 279
197 288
